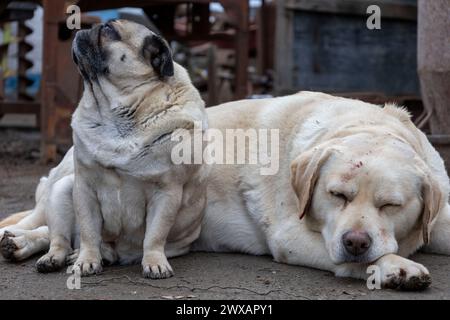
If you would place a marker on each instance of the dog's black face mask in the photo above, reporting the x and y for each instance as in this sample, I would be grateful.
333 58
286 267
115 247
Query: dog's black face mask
91 55
88 54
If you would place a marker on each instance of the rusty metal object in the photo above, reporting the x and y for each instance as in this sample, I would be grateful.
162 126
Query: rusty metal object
22 102
23 82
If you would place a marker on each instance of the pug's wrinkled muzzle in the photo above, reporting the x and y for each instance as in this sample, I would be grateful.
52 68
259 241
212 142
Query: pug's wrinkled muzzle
88 54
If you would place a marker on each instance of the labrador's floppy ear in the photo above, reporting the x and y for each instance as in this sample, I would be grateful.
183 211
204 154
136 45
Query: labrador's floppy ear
156 50
304 174
433 200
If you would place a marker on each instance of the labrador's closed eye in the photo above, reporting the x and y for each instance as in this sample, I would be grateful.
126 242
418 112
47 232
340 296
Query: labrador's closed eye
390 206
339 196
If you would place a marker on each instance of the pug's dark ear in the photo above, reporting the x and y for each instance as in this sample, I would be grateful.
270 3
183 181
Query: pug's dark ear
157 51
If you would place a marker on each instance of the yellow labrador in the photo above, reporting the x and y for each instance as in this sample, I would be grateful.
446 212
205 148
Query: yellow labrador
358 185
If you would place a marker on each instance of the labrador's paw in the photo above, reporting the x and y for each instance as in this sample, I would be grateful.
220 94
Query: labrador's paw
403 274
52 261
156 266
17 246
8 232
8 246
2 233
87 265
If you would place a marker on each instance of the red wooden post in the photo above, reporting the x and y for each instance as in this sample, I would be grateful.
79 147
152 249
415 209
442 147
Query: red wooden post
53 13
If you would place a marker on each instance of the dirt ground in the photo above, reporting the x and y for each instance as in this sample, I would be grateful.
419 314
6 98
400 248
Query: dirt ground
197 275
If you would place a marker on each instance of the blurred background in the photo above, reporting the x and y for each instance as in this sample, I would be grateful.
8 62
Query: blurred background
233 49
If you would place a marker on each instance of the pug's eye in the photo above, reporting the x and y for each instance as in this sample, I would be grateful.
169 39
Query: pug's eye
109 31
339 195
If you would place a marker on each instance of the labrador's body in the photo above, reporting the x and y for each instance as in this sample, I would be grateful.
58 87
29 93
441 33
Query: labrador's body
369 186
379 160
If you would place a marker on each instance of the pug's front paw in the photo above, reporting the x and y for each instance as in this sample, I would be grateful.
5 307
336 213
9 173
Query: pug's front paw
52 261
156 266
88 264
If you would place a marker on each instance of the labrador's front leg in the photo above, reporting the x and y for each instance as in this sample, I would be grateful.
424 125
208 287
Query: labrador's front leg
161 216
89 217
397 272
307 248
394 272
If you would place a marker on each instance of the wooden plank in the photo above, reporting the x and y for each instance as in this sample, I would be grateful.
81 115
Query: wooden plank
389 9
240 11
14 14
216 36
265 37
284 61
212 77
19 107
54 11
439 139
88 5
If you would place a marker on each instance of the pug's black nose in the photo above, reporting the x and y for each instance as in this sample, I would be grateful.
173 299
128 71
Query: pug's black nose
356 242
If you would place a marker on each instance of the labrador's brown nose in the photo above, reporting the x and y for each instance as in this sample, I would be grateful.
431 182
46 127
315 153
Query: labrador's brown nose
356 242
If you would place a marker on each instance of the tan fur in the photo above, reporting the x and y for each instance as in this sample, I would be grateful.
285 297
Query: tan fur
14 218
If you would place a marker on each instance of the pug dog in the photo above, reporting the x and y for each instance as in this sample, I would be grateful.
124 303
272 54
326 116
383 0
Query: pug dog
116 192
